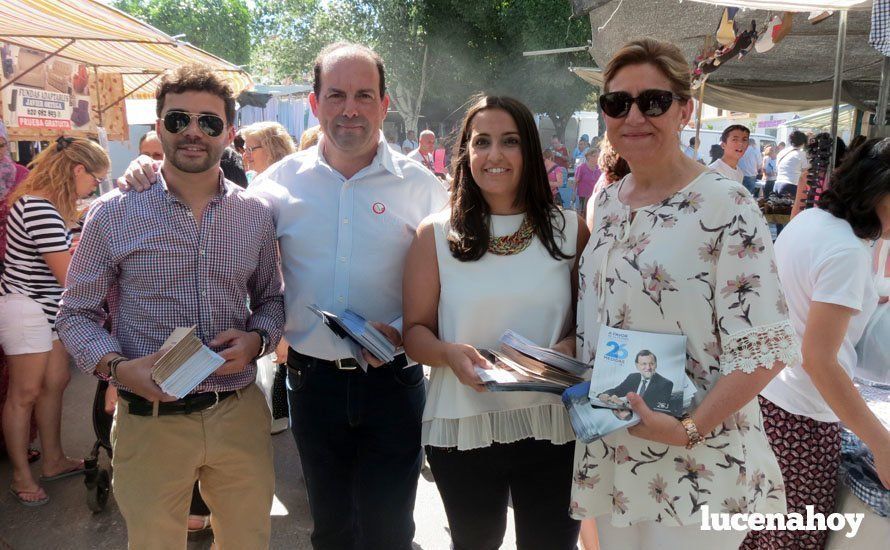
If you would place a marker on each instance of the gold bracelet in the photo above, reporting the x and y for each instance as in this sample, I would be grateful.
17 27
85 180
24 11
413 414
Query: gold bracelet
695 438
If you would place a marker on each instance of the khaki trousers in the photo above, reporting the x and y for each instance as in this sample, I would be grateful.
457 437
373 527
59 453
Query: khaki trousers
227 448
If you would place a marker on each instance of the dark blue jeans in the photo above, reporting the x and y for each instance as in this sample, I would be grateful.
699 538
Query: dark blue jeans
750 183
359 440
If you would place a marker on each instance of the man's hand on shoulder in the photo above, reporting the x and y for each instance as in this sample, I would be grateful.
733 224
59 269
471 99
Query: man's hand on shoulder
141 174
241 348
135 374
391 334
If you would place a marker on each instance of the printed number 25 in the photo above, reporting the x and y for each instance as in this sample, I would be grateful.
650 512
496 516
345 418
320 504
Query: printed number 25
616 351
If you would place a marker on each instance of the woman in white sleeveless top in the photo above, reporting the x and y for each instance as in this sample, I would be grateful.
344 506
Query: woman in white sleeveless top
503 256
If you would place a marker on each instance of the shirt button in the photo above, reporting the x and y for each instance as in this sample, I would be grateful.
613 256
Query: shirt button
203 252
203 293
341 299
345 221
343 259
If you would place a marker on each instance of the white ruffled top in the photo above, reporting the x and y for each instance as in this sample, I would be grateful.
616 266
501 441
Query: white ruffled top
530 293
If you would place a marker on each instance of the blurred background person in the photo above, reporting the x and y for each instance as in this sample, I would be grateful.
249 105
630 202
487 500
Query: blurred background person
309 138
560 153
42 211
580 150
586 176
150 145
792 165
425 149
265 143
410 142
769 170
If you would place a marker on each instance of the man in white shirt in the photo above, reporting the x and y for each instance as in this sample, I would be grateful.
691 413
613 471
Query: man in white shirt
409 144
345 214
749 164
734 142
424 152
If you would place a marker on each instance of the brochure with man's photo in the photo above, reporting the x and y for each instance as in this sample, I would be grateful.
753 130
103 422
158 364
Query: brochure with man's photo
589 422
649 364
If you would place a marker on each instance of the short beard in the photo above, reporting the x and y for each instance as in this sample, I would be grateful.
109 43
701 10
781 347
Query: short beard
189 167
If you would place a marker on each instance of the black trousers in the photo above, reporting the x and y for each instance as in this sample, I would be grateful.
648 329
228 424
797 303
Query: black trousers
359 440
475 486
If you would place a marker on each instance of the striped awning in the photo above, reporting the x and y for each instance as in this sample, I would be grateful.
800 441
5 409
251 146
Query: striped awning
108 39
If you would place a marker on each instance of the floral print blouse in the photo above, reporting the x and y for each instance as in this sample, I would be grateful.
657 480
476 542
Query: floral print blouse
699 263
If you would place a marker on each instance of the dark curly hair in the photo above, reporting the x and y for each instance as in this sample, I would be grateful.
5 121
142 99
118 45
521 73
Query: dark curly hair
858 185
196 78
470 213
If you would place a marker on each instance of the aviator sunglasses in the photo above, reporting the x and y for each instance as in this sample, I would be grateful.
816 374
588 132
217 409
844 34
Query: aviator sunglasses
177 121
652 103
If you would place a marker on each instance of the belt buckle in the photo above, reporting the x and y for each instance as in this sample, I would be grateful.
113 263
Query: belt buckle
215 403
339 363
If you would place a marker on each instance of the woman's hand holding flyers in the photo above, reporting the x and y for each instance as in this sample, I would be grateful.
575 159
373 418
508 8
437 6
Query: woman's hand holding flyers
463 360
656 426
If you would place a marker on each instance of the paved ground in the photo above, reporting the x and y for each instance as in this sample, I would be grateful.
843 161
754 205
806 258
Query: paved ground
67 523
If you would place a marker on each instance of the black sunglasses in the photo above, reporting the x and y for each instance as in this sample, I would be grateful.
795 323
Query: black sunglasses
652 103
177 121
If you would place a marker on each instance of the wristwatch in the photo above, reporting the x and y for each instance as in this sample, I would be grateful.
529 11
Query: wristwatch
264 342
695 438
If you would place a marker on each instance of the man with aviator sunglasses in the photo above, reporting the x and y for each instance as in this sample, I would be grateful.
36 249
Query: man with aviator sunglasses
167 258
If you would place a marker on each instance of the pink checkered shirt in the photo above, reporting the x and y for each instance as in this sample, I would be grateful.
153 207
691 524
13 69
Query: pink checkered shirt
158 270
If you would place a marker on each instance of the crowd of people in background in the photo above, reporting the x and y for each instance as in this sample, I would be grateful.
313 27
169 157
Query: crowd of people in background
442 248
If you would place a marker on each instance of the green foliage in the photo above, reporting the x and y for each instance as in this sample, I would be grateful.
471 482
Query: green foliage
472 46
290 33
221 27
478 48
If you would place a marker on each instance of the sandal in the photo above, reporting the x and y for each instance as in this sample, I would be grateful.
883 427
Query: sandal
20 496
80 469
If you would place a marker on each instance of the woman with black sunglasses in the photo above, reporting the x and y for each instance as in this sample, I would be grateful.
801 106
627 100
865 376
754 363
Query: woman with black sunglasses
678 250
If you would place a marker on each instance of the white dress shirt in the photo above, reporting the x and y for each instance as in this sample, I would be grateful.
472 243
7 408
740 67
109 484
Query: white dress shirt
343 241
751 161
419 157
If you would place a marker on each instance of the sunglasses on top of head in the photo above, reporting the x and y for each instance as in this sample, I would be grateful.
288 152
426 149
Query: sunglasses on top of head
652 103
177 121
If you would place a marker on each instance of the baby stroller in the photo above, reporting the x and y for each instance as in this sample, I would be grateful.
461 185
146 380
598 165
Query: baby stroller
96 479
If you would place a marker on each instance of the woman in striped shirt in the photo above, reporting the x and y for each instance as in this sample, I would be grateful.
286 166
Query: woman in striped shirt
41 211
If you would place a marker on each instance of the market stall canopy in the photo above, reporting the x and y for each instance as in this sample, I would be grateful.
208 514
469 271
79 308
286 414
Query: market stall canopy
794 75
97 35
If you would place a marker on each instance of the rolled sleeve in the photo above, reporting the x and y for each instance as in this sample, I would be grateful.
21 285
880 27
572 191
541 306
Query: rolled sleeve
266 289
81 312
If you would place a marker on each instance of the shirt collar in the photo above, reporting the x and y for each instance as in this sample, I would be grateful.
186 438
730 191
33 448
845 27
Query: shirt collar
383 158
224 188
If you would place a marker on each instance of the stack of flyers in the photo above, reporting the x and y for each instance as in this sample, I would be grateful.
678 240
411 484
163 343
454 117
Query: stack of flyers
521 365
360 332
185 362
591 423
549 357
